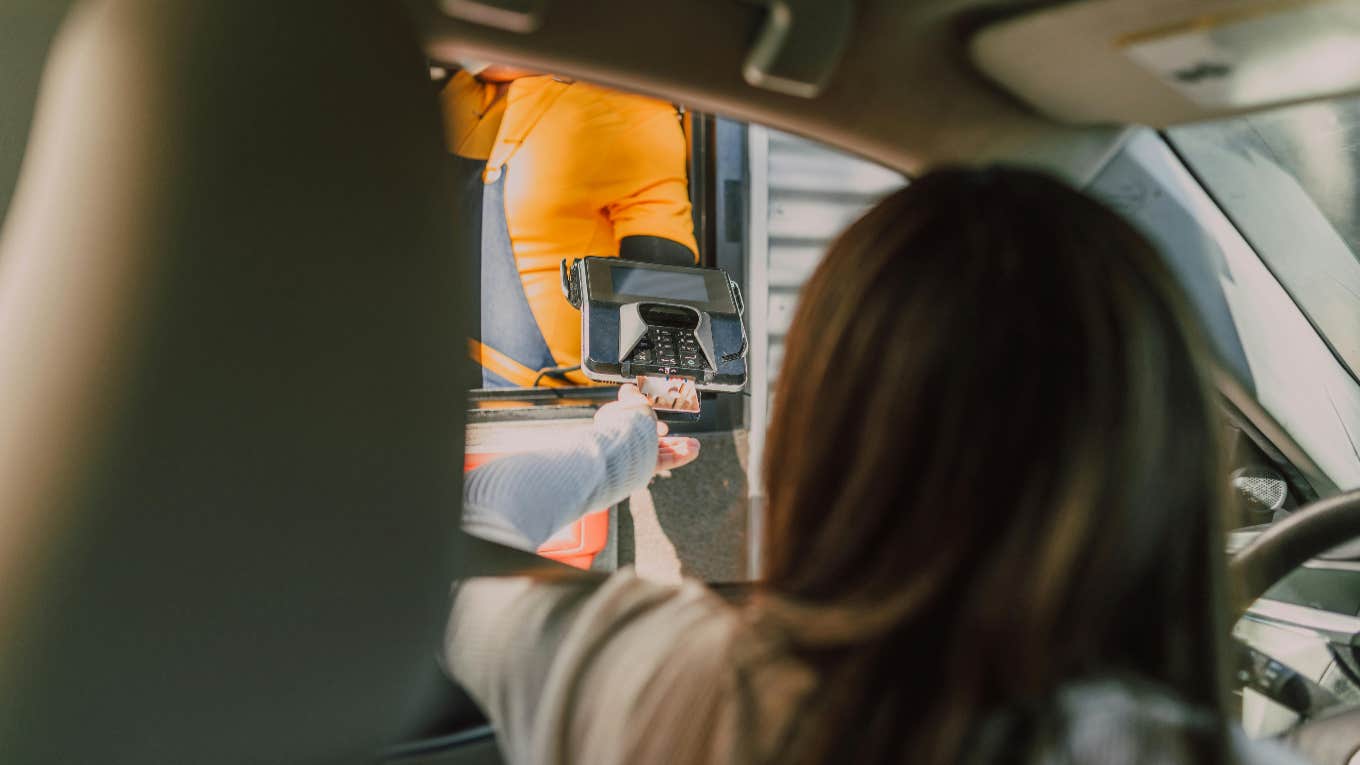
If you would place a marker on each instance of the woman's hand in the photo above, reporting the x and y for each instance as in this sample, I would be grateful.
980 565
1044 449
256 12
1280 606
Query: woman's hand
672 451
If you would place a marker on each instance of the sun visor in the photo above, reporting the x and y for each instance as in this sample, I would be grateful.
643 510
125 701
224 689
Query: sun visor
1161 62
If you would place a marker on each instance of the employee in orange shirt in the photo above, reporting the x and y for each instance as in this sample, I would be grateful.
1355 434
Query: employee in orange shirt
555 169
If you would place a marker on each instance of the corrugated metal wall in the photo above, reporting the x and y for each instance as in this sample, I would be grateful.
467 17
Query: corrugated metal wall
802 195
813 193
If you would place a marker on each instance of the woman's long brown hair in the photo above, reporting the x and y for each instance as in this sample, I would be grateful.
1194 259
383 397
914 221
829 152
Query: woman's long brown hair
992 471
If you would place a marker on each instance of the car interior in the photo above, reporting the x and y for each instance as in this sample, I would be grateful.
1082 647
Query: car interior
236 407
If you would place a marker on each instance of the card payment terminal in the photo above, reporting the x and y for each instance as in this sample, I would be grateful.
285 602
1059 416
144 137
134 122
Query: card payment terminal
648 319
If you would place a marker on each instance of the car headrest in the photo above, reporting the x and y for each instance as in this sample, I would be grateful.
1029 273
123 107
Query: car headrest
230 429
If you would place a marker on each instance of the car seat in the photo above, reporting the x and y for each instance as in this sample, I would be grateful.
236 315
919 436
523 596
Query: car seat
230 429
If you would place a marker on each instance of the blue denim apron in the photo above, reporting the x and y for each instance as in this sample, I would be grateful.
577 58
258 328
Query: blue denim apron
508 324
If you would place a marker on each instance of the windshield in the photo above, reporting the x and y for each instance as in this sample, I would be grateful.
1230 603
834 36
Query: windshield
1290 181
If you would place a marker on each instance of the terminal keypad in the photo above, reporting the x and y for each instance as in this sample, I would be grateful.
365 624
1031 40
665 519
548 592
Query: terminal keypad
671 347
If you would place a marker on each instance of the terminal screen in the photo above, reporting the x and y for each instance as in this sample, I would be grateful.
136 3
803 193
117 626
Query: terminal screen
649 283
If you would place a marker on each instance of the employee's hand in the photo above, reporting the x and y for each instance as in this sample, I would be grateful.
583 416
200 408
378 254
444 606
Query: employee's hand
671 451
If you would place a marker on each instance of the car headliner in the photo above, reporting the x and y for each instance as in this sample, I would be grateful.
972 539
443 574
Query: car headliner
904 94
910 90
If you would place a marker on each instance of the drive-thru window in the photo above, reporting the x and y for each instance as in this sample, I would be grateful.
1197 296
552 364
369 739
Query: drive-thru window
763 207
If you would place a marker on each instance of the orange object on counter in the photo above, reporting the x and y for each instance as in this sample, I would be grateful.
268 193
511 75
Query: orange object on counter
586 538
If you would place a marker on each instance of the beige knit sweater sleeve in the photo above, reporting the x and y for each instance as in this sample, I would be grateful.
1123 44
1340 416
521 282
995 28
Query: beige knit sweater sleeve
623 671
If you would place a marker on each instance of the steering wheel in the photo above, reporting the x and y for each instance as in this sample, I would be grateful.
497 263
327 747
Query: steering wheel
1308 533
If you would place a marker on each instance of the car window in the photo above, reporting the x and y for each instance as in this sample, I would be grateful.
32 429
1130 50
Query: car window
588 171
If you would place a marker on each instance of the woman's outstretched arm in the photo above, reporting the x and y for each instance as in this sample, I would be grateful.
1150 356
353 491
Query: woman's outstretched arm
521 500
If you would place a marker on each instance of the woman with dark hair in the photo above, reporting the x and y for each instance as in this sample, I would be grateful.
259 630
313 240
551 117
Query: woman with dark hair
993 524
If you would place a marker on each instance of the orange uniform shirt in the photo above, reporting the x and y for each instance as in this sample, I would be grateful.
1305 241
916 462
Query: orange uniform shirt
584 167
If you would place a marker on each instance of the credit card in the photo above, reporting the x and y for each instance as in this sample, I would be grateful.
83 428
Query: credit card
670 394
